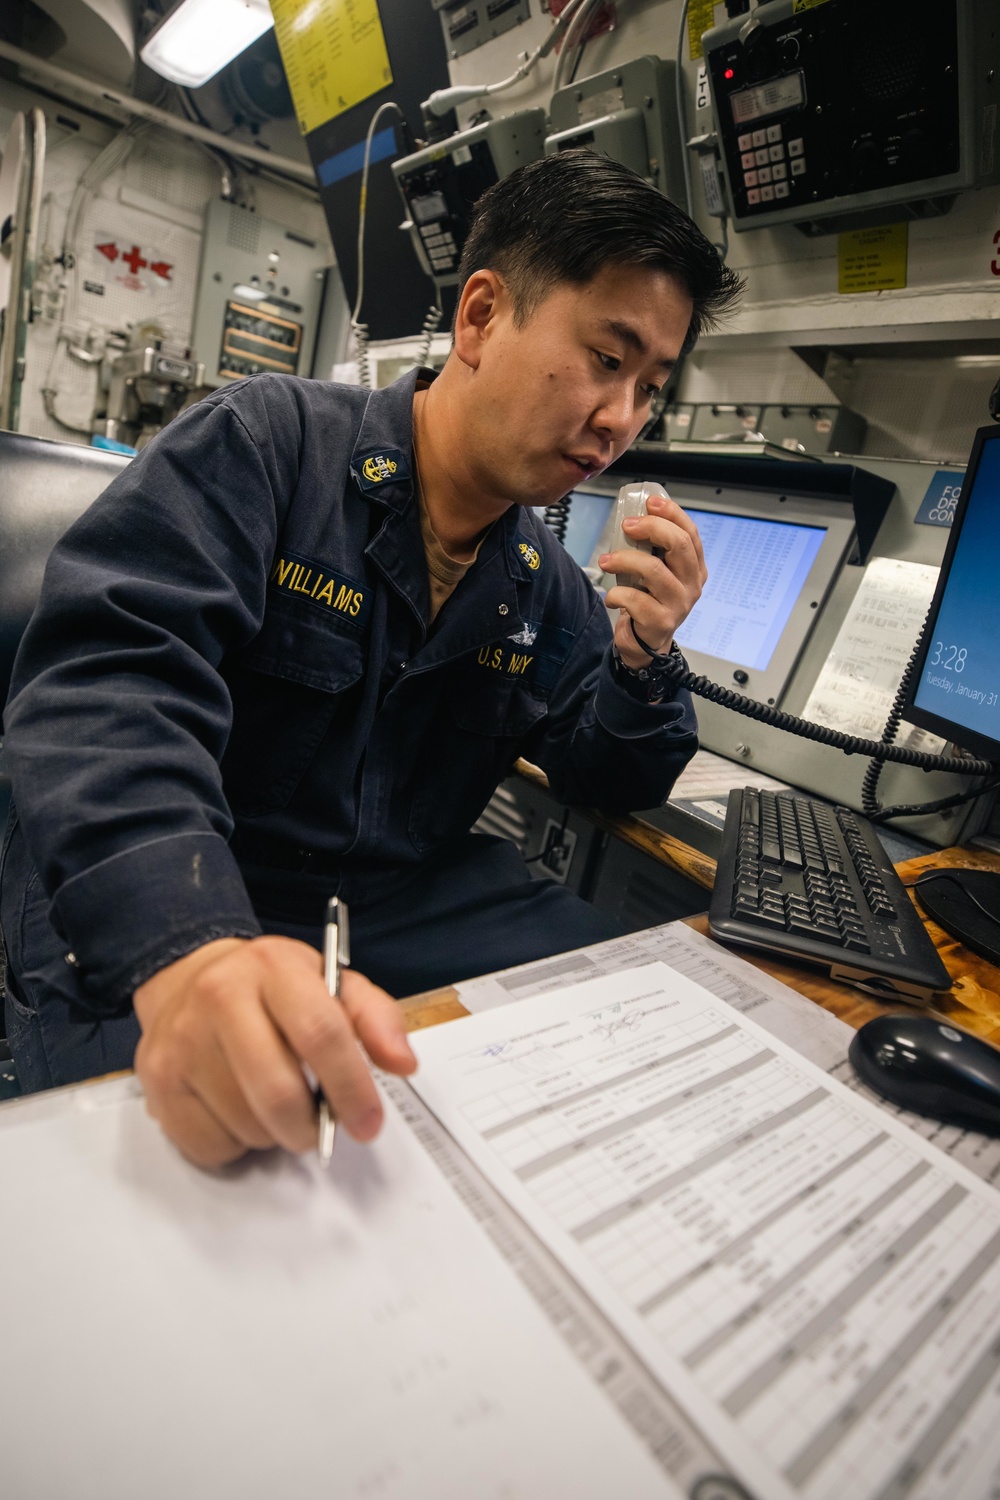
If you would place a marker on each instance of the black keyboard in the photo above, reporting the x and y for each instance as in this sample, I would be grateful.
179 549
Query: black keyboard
800 877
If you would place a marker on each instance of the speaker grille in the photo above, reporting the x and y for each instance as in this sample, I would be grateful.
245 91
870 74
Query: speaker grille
243 230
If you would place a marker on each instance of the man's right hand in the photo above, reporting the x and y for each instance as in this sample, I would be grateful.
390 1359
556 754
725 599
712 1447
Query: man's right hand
225 1031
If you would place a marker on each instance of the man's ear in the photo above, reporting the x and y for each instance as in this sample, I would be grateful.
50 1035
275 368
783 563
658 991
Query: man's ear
483 303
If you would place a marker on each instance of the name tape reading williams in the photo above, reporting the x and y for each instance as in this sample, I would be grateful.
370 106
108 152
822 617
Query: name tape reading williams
302 578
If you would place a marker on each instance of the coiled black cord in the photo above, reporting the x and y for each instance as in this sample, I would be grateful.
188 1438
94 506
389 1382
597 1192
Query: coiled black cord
877 750
869 801
557 517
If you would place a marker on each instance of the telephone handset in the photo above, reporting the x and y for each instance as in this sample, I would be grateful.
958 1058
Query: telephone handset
631 502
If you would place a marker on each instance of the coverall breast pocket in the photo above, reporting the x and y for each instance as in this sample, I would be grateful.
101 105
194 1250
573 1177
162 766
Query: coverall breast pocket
488 723
286 688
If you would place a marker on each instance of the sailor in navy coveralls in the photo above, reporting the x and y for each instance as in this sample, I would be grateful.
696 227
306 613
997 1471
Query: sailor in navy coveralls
247 688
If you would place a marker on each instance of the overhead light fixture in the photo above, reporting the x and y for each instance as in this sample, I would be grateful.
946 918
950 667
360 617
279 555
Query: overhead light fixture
199 37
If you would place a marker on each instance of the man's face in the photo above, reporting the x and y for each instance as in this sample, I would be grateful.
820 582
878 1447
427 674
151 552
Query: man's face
562 396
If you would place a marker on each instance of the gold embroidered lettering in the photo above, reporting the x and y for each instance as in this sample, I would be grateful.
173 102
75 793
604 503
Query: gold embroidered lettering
484 655
343 599
316 586
497 661
519 664
326 594
356 602
281 571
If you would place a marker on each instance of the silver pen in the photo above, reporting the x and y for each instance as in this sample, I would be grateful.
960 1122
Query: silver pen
336 956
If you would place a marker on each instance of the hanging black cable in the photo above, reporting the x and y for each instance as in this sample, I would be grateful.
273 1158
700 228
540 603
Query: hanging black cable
557 517
869 801
714 692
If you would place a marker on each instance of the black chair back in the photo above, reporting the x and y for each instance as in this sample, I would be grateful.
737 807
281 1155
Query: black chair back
44 486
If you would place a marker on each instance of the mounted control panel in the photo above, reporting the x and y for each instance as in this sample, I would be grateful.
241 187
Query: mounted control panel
440 184
841 114
260 290
628 113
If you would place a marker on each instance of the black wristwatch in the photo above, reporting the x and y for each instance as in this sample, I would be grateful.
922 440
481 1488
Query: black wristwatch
655 683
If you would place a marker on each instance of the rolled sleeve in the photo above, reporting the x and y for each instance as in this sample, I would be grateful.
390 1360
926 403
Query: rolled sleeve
629 718
132 914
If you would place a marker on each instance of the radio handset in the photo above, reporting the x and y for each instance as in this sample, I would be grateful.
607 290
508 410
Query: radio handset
632 502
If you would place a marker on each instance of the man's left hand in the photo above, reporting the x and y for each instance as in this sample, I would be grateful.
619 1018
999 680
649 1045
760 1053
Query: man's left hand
674 581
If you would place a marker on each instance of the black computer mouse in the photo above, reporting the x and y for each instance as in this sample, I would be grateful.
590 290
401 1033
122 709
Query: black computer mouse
931 1067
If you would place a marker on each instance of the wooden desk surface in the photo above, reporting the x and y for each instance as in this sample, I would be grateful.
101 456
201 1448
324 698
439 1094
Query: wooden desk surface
973 1002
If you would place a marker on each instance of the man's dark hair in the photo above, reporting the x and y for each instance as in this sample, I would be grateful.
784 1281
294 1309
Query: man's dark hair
564 218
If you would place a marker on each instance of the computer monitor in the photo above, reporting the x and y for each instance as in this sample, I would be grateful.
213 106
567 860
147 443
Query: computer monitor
756 572
955 685
586 514
955 688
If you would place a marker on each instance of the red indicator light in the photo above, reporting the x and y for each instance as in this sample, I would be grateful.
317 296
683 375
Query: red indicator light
729 73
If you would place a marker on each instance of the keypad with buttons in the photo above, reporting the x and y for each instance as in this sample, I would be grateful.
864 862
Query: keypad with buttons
440 246
765 160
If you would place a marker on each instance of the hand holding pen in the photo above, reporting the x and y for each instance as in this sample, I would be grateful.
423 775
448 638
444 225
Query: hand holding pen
229 1031
336 956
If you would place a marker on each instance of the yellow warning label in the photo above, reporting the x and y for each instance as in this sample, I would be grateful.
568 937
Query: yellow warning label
798 5
701 18
334 54
872 260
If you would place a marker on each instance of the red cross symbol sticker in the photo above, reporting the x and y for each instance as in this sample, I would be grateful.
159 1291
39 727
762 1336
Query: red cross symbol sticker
134 260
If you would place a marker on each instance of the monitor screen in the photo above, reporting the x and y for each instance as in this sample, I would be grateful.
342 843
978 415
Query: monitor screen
588 512
756 572
957 691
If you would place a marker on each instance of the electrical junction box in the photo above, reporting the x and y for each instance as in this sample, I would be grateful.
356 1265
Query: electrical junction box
816 430
844 114
440 184
629 114
469 24
260 290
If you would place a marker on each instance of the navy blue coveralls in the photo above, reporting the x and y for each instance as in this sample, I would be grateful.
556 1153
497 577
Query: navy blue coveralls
228 706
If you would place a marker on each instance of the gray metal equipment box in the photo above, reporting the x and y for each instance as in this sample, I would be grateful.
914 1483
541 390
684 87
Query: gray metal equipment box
260 290
628 113
469 24
842 113
440 184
